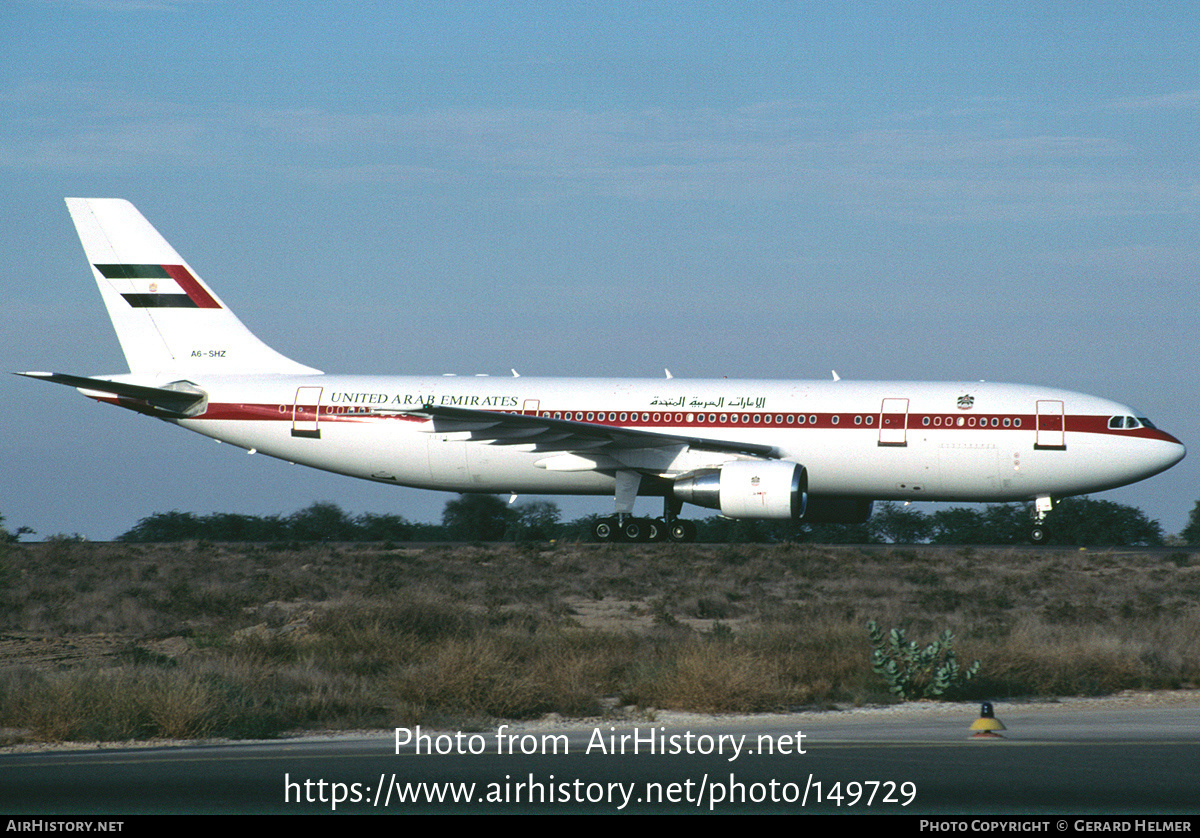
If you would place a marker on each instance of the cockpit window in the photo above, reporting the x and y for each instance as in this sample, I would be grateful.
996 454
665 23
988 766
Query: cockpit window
1127 422
1146 423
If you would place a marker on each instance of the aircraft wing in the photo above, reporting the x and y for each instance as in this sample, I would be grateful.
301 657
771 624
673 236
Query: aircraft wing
570 437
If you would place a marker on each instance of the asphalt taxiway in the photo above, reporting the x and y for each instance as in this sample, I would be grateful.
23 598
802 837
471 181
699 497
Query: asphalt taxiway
1132 754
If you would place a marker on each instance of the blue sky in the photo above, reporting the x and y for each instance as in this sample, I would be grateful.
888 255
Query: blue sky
1001 191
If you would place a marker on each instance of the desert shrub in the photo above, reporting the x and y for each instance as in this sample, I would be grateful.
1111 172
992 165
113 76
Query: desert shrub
913 671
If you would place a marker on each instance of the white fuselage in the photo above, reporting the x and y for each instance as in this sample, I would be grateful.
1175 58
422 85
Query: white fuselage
893 440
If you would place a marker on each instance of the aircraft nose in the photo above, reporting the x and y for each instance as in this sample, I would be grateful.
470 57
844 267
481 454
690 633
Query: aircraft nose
1179 453
1171 451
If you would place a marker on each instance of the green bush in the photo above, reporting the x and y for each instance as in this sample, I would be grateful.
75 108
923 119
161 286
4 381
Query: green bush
913 672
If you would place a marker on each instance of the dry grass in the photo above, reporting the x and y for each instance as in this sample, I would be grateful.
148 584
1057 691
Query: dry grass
109 704
195 640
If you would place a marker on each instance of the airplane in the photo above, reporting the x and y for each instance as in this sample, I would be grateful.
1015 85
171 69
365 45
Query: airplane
812 451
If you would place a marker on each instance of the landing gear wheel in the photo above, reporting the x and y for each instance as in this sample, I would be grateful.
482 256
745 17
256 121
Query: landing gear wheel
1037 534
604 530
682 531
658 530
635 529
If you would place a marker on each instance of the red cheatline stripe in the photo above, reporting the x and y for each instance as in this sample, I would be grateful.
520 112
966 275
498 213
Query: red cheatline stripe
273 412
191 286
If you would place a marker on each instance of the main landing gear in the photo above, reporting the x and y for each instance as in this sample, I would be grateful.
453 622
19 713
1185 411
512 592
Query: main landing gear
623 526
628 528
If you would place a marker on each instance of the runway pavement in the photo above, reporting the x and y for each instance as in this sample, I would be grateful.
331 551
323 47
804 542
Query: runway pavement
1120 755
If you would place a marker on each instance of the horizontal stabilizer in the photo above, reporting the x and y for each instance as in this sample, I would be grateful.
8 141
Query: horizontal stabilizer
181 398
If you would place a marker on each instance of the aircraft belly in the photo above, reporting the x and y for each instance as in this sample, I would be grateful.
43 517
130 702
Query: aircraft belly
447 458
384 452
968 470
496 468
864 468
1098 463
358 450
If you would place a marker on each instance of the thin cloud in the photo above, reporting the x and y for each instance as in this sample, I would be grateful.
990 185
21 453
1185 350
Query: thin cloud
1183 100
137 6
781 150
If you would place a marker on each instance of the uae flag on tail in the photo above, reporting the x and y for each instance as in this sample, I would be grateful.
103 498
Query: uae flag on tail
160 286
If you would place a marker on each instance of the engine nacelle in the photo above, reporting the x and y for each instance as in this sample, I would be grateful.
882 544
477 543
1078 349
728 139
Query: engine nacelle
823 510
747 489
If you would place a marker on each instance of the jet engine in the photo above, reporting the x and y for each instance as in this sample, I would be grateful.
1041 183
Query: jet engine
747 489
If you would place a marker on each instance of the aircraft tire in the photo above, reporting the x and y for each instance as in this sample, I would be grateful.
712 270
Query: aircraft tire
682 531
604 530
635 529
1037 534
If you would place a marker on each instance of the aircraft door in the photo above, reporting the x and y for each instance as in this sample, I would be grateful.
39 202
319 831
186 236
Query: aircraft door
893 422
304 412
1051 427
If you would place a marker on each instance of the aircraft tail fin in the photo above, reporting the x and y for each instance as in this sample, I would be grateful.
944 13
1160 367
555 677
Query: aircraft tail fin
167 319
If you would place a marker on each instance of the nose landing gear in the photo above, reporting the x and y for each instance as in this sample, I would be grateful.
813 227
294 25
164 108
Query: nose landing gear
1038 530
